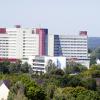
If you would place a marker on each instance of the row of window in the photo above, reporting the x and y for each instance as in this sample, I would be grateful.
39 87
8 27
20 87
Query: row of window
3 54
69 38
71 44
70 50
71 56
3 37
64 53
30 43
3 43
29 49
3 40
28 55
38 68
29 40
29 46
35 60
70 41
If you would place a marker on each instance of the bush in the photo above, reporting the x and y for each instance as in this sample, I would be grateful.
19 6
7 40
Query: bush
74 68
96 74
78 93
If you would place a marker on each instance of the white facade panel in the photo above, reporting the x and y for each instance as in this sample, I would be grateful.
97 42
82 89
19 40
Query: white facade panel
50 45
19 43
39 63
60 62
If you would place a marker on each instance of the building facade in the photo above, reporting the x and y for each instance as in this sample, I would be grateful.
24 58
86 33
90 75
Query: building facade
70 46
21 43
73 47
39 63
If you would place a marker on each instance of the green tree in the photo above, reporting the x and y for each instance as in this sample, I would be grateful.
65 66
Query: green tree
94 55
50 89
74 81
89 50
32 90
73 67
12 68
16 67
58 95
25 67
4 67
77 93
50 67
93 71
17 92
89 83
96 74
58 72
25 88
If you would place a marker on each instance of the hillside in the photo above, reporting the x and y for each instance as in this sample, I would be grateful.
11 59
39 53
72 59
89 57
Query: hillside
93 42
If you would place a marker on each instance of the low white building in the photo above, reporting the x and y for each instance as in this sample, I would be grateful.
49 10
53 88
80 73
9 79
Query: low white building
84 62
39 63
4 91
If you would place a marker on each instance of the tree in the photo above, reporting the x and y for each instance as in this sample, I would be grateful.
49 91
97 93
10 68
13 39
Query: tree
58 95
50 91
94 55
73 81
50 67
58 72
25 67
73 67
25 88
32 90
89 50
19 67
89 83
12 68
96 74
92 72
17 92
4 67
77 93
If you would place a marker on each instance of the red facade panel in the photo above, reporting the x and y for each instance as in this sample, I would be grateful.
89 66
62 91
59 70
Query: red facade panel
83 33
8 59
2 30
41 42
38 31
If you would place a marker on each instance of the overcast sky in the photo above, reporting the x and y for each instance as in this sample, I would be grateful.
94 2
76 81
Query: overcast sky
59 16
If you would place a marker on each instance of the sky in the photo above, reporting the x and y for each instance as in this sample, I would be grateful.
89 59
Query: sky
59 16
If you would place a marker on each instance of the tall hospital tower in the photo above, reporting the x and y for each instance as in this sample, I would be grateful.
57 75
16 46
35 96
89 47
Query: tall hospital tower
21 43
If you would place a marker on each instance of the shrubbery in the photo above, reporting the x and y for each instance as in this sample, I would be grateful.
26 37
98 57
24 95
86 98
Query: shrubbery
55 85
